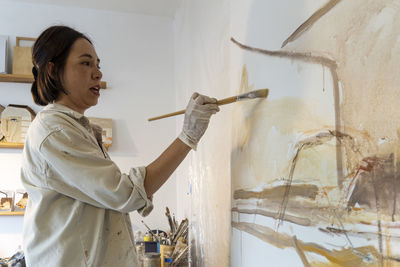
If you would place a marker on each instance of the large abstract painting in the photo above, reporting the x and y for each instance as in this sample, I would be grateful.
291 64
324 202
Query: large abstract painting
315 168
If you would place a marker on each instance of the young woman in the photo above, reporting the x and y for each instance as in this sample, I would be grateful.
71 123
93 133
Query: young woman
78 198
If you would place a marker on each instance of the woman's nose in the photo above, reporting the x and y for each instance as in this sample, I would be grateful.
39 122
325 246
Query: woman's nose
97 74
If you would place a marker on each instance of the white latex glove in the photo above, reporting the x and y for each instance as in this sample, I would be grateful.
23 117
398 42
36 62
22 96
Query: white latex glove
197 117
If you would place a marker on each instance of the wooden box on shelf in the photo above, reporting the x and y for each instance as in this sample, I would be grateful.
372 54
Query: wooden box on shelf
22 56
20 78
12 213
11 145
10 205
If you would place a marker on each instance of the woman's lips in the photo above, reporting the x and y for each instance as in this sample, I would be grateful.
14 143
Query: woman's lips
95 90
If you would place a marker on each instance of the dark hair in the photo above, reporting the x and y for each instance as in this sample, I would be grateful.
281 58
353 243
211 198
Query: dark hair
53 45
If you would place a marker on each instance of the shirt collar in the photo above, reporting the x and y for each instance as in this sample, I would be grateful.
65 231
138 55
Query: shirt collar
64 109
70 112
84 121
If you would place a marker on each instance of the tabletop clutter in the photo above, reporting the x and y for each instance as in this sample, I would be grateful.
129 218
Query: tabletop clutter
163 249
13 200
16 260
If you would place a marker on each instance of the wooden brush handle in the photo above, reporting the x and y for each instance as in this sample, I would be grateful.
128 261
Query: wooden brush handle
168 115
219 103
226 100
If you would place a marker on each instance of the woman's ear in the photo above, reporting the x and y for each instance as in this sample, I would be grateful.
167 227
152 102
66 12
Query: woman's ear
50 69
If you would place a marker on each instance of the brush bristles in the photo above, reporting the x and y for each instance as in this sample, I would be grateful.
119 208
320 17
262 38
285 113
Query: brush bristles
261 93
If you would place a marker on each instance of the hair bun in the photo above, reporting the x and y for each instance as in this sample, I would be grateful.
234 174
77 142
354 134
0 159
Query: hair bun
35 95
34 72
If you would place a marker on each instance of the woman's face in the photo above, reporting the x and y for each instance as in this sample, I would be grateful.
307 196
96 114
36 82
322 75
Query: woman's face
81 77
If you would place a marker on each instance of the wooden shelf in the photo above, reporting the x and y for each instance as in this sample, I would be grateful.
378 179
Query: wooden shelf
21 145
12 213
11 145
19 78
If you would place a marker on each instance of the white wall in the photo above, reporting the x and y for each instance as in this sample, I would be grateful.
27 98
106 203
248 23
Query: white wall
137 63
202 63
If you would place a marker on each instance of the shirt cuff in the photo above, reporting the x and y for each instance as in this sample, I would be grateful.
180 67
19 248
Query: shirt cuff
186 139
137 176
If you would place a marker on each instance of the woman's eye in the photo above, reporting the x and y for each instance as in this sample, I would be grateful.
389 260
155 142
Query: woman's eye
87 63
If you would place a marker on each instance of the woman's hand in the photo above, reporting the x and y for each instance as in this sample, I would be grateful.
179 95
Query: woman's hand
197 116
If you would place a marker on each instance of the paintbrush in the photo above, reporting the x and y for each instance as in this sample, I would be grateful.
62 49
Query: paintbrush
261 93
171 223
181 229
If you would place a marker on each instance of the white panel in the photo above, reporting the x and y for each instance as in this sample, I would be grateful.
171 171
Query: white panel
3 53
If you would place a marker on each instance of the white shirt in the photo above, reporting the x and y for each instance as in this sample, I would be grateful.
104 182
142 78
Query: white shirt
78 199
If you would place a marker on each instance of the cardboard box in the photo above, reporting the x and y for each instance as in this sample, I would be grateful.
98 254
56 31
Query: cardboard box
22 57
3 53
6 200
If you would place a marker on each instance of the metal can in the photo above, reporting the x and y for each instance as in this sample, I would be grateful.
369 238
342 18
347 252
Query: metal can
140 253
152 259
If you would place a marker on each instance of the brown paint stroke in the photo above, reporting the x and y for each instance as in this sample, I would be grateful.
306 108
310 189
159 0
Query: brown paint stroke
305 190
378 211
307 142
316 215
302 209
395 197
344 257
288 186
368 235
360 256
271 214
324 61
300 251
373 171
373 188
385 225
310 21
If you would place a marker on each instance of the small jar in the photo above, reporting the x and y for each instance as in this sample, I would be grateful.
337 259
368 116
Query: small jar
152 259
168 262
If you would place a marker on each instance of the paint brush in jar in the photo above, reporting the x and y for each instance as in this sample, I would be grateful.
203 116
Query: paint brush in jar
261 93
156 237
171 223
